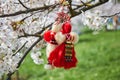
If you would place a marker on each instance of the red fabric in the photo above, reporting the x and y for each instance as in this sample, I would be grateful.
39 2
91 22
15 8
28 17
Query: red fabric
66 28
46 36
57 57
49 37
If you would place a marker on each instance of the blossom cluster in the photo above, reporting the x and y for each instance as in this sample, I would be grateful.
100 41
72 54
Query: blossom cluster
93 20
11 28
8 63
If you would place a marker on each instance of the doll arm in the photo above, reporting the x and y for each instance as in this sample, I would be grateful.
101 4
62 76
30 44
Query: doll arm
46 36
49 37
74 37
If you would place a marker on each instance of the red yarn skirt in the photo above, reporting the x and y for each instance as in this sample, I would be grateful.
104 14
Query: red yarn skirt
57 57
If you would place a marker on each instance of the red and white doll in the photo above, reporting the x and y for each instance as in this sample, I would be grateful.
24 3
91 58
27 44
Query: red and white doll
60 46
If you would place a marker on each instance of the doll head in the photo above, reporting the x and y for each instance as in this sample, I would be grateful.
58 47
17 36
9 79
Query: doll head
66 28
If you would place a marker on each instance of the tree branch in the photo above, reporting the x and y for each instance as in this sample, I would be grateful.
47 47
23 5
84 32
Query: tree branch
26 53
29 49
88 8
39 32
72 12
9 76
81 5
28 35
29 10
19 48
75 14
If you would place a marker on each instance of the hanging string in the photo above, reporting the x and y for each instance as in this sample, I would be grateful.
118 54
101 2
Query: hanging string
62 15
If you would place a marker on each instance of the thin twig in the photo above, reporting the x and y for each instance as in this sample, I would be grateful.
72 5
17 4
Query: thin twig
29 10
44 28
111 15
83 3
20 48
88 8
37 34
23 4
30 15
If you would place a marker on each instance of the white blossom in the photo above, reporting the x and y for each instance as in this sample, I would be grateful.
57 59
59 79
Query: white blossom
36 56
93 19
